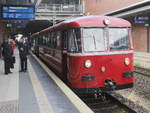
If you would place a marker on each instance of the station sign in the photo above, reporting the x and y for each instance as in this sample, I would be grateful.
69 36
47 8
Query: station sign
18 12
18 16
141 20
17 21
12 9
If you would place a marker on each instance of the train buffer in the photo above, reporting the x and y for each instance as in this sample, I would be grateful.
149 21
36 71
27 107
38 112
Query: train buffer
38 90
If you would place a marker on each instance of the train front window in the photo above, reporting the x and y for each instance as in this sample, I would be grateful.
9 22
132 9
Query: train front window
94 39
74 40
118 38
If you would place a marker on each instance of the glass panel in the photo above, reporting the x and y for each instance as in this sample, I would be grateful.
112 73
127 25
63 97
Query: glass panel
58 39
93 39
65 39
74 40
118 38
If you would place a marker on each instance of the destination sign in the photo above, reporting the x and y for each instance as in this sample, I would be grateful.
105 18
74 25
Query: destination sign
18 9
18 12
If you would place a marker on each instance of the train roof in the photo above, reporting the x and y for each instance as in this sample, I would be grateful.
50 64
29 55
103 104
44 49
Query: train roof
34 34
89 21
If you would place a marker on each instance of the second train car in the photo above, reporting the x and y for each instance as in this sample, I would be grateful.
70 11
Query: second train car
91 54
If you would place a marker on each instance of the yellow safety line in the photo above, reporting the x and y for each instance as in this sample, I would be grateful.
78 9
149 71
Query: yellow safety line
77 102
42 100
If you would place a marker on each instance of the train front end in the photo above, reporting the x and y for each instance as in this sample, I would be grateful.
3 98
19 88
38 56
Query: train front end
100 58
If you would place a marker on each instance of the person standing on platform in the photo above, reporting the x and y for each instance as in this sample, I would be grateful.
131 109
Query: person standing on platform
23 52
7 54
12 45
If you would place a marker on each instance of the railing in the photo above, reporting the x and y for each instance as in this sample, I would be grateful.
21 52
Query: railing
59 8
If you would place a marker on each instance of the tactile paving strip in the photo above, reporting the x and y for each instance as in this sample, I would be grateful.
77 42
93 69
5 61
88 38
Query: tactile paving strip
9 107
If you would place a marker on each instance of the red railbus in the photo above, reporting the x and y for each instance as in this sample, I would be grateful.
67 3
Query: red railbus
91 53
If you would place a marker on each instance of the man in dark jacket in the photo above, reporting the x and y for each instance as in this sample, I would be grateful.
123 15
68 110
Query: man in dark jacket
23 52
7 54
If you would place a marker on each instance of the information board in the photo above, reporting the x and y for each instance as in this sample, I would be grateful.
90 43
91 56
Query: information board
141 20
18 12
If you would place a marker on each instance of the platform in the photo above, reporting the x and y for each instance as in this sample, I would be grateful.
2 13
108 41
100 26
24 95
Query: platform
142 59
9 89
36 91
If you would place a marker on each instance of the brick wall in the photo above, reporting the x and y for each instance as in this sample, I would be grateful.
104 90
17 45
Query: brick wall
3 33
105 6
139 35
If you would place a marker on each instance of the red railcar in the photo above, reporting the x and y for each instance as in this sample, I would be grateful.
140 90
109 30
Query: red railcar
91 53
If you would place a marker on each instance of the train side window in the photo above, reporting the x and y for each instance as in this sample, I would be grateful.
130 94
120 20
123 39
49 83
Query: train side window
65 39
49 39
74 40
40 40
44 40
53 39
47 43
58 39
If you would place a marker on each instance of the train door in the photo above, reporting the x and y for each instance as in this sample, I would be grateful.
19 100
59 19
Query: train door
36 47
73 48
64 55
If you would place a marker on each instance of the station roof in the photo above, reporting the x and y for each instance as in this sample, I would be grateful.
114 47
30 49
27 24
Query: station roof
36 26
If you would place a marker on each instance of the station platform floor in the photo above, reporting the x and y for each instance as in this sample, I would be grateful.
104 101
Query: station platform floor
36 91
142 59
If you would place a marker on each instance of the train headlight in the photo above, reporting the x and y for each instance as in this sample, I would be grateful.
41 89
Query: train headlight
103 69
127 61
106 22
88 63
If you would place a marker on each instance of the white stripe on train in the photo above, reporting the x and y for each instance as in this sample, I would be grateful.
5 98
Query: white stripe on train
100 53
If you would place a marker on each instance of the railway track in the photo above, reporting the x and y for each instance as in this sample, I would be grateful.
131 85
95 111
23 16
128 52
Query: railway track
142 77
104 104
142 71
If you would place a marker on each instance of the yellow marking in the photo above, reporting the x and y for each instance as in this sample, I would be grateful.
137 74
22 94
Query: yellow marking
76 101
42 100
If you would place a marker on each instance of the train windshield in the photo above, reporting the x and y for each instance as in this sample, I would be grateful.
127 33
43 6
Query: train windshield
94 39
118 38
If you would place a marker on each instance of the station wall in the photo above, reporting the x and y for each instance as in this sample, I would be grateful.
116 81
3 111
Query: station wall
3 33
106 6
139 34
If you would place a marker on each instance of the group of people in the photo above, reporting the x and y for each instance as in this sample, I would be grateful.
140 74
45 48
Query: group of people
8 47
